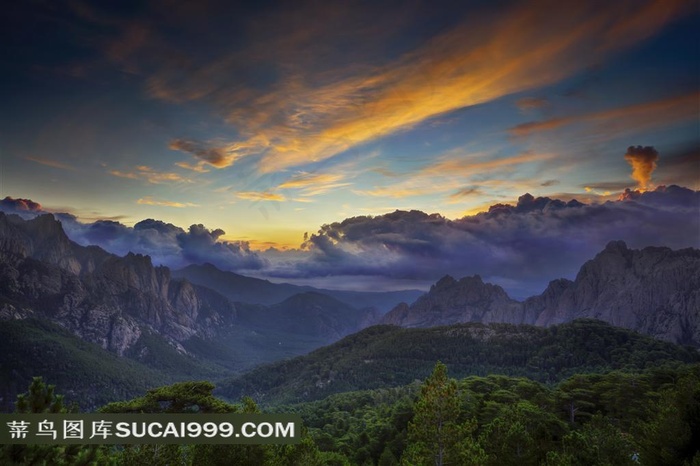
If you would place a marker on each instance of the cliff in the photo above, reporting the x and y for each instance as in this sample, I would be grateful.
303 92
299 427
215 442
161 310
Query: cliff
654 290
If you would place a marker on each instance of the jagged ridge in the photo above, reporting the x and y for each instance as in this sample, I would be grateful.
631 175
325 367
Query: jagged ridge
654 290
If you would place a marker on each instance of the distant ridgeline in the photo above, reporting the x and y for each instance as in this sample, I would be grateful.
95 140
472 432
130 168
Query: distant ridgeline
123 324
655 291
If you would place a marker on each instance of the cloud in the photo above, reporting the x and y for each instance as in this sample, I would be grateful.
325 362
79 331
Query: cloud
143 172
260 196
150 201
219 157
19 206
134 36
607 186
521 246
49 163
451 172
452 72
304 105
201 245
531 103
465 192
639 116
643 162
314 184
166 243
199 167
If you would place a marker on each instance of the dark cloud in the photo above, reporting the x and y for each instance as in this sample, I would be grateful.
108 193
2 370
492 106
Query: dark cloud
665 197
465 192
201 245
608 185
166 243
22 207
549 183
521 246
216 156
170 245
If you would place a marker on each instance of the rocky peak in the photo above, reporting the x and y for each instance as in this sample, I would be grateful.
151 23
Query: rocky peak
655 291
101 297
615 247
444 283
450 301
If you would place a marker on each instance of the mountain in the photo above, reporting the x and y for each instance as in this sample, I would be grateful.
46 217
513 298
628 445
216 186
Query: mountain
263 334
132 308
655 291
108 300
309 313
389 356
450 301
239 288
84 372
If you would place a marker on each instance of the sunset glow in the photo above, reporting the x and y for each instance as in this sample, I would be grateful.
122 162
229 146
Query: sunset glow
269 126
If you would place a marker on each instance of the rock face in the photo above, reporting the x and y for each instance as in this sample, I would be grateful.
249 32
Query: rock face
112 301
655 291
450 302
102 298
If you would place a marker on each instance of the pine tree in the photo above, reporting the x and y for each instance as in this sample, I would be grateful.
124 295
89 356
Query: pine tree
41 398
434 433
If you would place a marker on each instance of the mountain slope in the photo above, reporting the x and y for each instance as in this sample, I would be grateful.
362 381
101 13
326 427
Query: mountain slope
239 288
387 356
309 313
82 371
135 309
103 298
654 291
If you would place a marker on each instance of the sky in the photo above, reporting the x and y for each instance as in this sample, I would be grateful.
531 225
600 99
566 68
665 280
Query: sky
363 145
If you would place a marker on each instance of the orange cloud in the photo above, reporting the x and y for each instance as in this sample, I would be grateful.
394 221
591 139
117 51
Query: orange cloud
639 116
148 174
471 64
304 180
452 173
643 162
148 200
199 167
260 196
314 184
315 110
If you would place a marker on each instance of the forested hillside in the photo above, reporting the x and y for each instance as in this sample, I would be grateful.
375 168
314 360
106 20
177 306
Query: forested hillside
83 371
587 419
388 356
649 417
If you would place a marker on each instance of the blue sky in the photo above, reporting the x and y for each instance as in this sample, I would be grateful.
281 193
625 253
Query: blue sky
269 121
